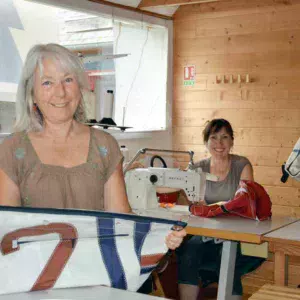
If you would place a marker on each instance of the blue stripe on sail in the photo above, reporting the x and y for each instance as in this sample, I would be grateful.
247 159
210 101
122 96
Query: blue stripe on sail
109 252
140 233
147 270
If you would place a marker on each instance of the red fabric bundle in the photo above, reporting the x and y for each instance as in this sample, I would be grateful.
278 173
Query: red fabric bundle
250 201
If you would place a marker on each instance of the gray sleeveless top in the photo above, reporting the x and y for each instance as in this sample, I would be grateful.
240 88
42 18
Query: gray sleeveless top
223 190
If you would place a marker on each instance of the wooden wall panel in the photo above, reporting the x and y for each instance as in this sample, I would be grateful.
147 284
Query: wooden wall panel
285 196
259 156
238 98
233 25
263 42
236 62
262 39
238 25
231 37
261 118
276 138
232 8
259 80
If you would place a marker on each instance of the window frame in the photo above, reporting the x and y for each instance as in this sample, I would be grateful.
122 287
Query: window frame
101 9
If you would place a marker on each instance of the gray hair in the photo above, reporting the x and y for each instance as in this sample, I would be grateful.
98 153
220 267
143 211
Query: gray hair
29 118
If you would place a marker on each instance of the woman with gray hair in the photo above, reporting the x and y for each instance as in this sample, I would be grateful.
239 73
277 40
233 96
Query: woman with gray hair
53 160
29 117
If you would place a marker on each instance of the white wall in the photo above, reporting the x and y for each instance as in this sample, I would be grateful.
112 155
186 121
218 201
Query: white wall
38 25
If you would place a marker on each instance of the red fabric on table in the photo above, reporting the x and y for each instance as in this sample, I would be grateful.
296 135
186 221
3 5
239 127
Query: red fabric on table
250 201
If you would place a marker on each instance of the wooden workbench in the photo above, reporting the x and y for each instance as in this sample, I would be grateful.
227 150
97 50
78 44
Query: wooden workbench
232 229
286 241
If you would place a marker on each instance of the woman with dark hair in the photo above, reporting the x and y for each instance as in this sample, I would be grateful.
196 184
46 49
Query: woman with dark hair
199 261
218 137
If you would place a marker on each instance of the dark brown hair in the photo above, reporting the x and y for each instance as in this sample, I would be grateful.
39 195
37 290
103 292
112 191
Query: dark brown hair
215 126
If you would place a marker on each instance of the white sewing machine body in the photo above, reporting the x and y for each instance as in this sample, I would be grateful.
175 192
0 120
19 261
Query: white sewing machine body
141 185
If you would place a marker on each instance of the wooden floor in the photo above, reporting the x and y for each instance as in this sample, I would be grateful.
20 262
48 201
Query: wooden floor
273 292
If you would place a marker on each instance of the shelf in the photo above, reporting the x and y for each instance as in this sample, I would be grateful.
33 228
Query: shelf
7 97
8 101
4 134
100 58
99 73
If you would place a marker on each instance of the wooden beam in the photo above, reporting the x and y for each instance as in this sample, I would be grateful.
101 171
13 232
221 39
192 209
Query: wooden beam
156 3
130 8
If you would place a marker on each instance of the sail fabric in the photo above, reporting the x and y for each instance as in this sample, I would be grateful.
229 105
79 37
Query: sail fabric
292 166
250 201
54 248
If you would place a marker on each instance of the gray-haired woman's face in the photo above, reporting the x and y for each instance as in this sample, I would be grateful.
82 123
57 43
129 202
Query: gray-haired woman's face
56 93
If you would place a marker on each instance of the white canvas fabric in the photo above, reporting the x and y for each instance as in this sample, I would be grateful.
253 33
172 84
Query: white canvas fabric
292 166
52 248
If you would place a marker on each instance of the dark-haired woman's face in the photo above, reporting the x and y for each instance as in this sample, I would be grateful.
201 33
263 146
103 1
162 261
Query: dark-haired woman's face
219 143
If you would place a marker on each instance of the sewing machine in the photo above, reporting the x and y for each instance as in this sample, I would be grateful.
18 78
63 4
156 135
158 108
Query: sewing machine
141 184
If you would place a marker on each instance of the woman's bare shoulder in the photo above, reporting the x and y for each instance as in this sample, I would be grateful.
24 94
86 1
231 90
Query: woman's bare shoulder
102 136
202 162
240 159
13 139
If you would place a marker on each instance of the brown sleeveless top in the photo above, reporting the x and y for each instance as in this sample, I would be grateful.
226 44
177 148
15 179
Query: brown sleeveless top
42 185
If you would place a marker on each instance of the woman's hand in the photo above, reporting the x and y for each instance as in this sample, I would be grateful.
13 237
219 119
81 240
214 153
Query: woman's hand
175 238
201 202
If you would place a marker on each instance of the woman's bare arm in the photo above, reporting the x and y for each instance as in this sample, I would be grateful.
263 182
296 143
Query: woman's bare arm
247 173
115 198
9 191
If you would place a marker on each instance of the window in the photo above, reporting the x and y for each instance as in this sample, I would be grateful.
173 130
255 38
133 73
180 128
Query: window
126 56
141 77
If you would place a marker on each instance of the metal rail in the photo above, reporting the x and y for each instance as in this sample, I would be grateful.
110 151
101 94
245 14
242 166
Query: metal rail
144 150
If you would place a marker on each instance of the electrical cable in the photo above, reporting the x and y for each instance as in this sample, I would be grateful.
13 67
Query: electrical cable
157 157
136 73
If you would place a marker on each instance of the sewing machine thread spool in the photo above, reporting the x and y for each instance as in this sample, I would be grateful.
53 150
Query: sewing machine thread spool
125 152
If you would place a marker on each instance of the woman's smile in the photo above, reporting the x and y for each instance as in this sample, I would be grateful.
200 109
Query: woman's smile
59 105
219 150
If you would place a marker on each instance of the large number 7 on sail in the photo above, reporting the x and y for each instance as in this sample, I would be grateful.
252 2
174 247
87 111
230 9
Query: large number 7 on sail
60 256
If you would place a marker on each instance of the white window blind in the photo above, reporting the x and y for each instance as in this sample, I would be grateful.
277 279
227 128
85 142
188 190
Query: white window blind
141 77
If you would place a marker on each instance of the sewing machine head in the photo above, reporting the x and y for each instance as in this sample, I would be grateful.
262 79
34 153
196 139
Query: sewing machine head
141 184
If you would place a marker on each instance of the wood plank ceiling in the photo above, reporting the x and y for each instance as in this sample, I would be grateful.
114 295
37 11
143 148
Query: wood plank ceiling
160 8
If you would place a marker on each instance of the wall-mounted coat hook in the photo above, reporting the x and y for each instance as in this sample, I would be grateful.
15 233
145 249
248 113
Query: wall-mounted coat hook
233 79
